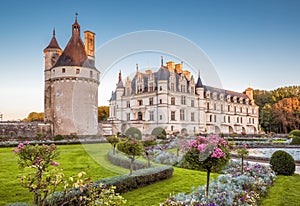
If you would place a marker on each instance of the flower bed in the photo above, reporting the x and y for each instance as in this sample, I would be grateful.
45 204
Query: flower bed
231 188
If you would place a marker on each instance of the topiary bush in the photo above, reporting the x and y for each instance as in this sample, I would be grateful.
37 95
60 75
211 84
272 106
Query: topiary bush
294 133
296 141
159 132
58 137
133 133
282 163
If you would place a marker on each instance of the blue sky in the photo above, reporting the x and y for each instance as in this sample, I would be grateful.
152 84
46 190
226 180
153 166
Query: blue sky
251 43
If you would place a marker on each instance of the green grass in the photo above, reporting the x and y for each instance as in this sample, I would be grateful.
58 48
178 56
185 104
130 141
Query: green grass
91 158
286 192
182 181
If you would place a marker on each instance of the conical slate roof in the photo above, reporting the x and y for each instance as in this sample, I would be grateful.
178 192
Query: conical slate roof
53 43
74 54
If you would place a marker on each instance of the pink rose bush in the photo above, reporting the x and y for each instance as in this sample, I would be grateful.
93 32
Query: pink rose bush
206 153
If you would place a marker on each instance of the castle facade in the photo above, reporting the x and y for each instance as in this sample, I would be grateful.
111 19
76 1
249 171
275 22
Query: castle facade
172 99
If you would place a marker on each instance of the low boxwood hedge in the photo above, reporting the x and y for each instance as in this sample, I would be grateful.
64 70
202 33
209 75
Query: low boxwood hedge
123 161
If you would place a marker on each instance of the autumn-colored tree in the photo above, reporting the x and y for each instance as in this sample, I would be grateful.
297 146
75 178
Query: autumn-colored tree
103 113
286 113
35 117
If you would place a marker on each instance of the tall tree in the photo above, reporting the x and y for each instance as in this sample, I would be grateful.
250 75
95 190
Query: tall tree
35 117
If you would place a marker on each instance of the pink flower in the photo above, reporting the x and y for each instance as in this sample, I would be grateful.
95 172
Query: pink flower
217 153
193 143
54 164
202 139
202 147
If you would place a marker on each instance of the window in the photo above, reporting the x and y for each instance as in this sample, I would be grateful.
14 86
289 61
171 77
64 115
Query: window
63 70
242 120
192 103
172 128
128 116
252 111
77 71
139 88
215 118
215 107
241 109
247 111
228 109
192 90
221 107
151 115
91 74
192 116
183 100
151 101
182 88
140 102
237 120
151 87
228 119
182 115
252 120
128 104
160 101
210 118
172 115
234 109
224 119
140 116
160 117
160 88
172 100
207 105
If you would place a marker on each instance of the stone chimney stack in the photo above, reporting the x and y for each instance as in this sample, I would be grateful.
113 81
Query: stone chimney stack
89 44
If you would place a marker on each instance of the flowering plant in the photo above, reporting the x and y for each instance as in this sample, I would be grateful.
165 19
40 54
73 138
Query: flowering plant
206 153
39 178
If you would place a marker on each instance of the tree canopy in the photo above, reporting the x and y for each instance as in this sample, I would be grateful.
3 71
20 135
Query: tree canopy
35 117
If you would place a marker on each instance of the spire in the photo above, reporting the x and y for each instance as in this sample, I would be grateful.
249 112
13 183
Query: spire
53 43
137 68
76 26
120 82
199 82
162 61
76 15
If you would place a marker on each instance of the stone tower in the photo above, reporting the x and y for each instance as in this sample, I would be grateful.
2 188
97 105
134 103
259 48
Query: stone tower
71 85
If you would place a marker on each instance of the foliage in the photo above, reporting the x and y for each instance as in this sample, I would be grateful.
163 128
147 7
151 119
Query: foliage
122 161
294 133
35 117
163 157
113 140
232 188
274 104
39 178
103 113
79 192
282 163
58 137
133 133
211 153
295 141
148 144
132 148
159 132
141 178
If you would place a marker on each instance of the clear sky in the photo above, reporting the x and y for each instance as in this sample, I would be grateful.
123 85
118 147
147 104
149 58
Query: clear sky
251 42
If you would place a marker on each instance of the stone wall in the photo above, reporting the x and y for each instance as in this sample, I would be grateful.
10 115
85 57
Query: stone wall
24 129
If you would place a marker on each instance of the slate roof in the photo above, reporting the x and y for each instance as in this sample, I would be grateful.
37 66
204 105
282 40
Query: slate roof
74 54
53 43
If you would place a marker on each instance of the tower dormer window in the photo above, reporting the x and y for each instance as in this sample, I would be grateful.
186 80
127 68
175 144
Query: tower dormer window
63 70
77 71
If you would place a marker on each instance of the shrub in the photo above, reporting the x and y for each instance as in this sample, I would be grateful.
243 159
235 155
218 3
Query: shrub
18 204
294 133
159 132
58 137
113 140
133 133
282 163
122 161
296 141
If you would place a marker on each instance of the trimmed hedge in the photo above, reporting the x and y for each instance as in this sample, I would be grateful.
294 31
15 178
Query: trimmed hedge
294 133
123 161
295 141
140 178
282 163
133 133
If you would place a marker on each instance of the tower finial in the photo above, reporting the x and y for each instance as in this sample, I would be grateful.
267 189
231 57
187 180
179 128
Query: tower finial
120 76
76 15
54 31
199 73
137 68
162 61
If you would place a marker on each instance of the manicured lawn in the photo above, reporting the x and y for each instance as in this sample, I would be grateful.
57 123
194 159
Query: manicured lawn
91 158
286 192
73 159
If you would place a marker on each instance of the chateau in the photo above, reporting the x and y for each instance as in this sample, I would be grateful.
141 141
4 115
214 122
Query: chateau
172 99
71 85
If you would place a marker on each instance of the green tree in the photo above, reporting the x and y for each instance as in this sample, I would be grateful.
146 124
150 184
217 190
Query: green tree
103 113
113 140
132 148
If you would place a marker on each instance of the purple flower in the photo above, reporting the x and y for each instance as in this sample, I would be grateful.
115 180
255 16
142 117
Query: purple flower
54 164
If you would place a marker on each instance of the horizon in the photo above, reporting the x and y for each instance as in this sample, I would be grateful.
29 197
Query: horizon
251 43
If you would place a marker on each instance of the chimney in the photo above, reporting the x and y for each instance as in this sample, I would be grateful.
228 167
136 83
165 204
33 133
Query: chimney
178 68
89 44
171 66
187 74
249 93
